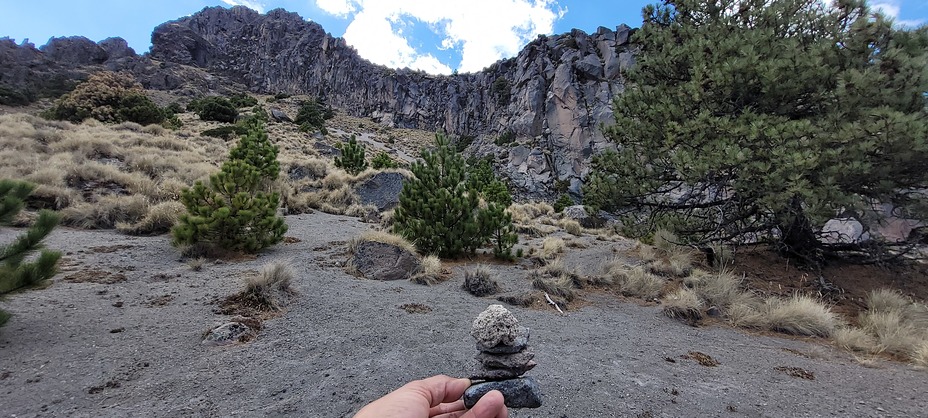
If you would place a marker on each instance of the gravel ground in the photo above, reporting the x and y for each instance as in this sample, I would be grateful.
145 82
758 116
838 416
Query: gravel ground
133 347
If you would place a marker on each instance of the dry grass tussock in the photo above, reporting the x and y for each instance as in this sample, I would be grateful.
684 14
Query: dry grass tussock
892 324
159 220
382 237
571 226
639 282
551 247
265 293
529 213
801 315
479 282
683 304
430 271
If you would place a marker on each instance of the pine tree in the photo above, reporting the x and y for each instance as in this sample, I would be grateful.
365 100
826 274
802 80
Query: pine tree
231 214
382 160
747 118
441 212
496 224
15 272
352 159
256 149
436 210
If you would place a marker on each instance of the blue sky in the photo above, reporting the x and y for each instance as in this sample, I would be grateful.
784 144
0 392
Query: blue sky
431 35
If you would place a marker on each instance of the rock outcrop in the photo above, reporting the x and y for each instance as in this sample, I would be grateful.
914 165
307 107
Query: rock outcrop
552 97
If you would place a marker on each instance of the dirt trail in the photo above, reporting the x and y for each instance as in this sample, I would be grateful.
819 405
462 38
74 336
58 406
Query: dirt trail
131 347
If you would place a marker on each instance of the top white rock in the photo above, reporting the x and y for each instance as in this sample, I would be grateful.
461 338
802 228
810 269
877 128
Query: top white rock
495 326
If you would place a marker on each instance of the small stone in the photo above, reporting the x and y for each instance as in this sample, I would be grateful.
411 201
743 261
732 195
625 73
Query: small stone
487 373
495 326
518 344
229 333
519 393
505 361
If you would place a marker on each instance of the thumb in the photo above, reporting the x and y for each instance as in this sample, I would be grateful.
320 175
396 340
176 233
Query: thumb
491 405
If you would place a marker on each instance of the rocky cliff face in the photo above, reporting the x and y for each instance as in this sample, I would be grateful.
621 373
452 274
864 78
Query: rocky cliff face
553 96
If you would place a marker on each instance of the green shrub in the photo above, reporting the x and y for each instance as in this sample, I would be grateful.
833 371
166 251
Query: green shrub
442 215
505 138
256 149
15 273
107 97
312 116
352 159
214 108
225 132
242 100
173 123
463 142
382 161
173 109
563 202
501 91
11 97
231 214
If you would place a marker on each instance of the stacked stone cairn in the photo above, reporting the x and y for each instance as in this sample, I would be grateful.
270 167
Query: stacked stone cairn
503 357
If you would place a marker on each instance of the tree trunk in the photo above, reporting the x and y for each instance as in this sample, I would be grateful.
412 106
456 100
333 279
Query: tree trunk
797 238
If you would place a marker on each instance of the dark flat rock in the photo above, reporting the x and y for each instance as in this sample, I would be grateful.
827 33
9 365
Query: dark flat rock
519 393
505 361
489 373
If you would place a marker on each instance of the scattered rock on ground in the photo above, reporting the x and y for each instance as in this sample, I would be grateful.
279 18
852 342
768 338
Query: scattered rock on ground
380 261
230 333
279 116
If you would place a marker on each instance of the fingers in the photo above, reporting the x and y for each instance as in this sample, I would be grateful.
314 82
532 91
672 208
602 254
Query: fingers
491 405
446 409
441 389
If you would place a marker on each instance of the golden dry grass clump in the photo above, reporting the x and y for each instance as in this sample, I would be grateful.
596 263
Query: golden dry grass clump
430 271
801 315
551 247
892 324
265 293
382 237
683 304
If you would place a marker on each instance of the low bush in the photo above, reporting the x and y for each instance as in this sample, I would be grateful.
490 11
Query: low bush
108 97
383 161
214 108
225 132
352 159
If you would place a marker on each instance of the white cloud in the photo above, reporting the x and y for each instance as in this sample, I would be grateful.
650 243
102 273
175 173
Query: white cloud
484 31
340 8
251 4
891 9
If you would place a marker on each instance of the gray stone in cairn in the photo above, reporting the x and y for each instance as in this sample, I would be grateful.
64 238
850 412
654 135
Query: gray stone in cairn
504 356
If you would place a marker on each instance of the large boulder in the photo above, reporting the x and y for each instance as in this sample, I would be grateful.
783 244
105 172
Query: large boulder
844 231
382 190
382 261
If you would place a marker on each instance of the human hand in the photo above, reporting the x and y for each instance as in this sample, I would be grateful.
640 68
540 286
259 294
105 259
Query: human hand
435 397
